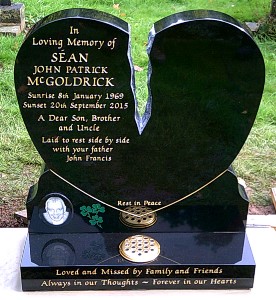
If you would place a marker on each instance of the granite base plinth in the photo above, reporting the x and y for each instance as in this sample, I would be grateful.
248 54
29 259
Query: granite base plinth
92 262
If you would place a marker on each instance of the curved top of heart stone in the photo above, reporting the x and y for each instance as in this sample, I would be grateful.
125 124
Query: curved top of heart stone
75 86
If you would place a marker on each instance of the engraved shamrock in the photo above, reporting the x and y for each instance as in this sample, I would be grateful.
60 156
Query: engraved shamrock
96 208
86 210
92 213
95 220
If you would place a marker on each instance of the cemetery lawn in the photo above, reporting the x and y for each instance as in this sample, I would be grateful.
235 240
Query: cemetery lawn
20 164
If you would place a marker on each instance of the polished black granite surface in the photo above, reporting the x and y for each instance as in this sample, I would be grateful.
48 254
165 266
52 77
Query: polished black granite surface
217 260
221 206
75 84
77 98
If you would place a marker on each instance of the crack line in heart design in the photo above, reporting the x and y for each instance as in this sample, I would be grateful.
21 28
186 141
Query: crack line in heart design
132 214
142 120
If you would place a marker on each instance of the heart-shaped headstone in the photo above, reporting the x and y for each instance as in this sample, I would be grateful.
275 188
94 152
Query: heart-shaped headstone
75 87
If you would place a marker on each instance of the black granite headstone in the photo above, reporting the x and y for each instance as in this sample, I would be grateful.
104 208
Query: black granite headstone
75 85
76 97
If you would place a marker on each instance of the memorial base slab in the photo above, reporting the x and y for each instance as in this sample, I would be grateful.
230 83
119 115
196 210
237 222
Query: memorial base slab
92 262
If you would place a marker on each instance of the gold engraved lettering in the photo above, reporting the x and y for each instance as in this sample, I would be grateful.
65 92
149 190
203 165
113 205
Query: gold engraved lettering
90 282
74 30
163 271
165 282
187 281
78 140
95 149
122 140
116 271
223 281
62 149
80 106
50 283
91 128
51 140
48 42
70 81
46 69
67 272
61 57
152 202
90 158
121 283
108 118
41 96
95 140
34 105
87 43
71 158
124 203
200 281
86 70
54 118
65 128
78 96
182 271
217 270
89 272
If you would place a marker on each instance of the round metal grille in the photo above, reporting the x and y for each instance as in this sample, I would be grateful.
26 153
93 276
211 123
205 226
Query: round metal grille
144 218
139 248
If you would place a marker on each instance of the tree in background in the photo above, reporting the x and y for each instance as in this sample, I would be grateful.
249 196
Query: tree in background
273 9
267 27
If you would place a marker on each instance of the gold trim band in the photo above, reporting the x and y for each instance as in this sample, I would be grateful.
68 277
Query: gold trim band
121 210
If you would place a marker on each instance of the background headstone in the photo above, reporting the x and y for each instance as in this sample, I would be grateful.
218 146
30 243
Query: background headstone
12 17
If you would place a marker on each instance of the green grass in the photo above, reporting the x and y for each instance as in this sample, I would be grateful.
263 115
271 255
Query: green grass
19 161
141 14
256 162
